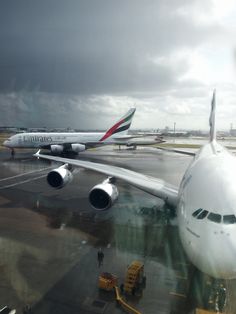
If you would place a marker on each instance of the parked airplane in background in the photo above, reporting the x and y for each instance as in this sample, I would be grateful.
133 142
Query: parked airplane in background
205 202
78 142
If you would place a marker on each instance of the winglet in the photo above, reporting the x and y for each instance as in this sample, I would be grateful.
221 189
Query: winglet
212 118
37 154
122 126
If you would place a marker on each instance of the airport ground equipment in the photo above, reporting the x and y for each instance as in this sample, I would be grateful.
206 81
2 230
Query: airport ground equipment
123 303
107 281
134 277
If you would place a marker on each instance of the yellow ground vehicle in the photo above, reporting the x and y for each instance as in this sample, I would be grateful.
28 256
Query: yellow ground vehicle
134 277
107 281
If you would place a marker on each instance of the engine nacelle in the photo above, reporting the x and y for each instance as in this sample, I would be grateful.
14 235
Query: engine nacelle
77 148
59 177
103 195
56 149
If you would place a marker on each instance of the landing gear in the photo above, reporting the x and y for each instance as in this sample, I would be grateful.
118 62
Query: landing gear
12 152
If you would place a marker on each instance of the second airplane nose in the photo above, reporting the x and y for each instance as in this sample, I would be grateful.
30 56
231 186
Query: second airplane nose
6 143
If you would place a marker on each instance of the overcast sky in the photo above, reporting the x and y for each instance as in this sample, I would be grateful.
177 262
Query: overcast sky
82 64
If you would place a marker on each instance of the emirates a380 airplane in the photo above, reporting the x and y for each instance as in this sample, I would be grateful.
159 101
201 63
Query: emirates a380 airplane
205 201
77 142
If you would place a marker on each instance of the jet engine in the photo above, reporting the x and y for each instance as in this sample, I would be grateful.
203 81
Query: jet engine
103 195
56 149
77 148
59 177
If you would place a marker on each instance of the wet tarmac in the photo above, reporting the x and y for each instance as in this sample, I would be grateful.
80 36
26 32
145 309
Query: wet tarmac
49 240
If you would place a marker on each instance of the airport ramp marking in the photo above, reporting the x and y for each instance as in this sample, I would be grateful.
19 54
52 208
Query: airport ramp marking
24 174
21 182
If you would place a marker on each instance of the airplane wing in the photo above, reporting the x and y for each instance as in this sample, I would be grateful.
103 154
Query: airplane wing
136 142
132 141
133 136
143 142
151 185
173 150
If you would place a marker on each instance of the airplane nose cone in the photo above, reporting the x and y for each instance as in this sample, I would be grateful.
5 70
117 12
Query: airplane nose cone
218 260
6 143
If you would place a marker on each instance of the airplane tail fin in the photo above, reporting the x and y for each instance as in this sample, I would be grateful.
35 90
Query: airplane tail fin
121 127
212 118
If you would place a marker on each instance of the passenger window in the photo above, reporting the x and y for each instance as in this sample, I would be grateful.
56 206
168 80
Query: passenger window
214 217
203 214
229 219
194 214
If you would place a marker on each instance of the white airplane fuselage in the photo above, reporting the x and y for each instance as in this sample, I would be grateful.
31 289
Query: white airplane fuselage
38 140
76 141
209 238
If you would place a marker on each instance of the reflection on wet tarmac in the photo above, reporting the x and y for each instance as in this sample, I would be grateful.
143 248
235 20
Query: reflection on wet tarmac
49 241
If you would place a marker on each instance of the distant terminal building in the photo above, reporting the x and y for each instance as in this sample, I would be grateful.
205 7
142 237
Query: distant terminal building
174 133
232 132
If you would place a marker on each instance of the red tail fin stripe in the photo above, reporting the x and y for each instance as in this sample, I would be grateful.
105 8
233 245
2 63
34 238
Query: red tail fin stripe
111 130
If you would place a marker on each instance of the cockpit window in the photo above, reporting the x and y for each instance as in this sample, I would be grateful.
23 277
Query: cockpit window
229 219
214 217
203 214
194 214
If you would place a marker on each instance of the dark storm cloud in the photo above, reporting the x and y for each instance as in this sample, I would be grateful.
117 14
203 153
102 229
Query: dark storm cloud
92 47
66 63
37 109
